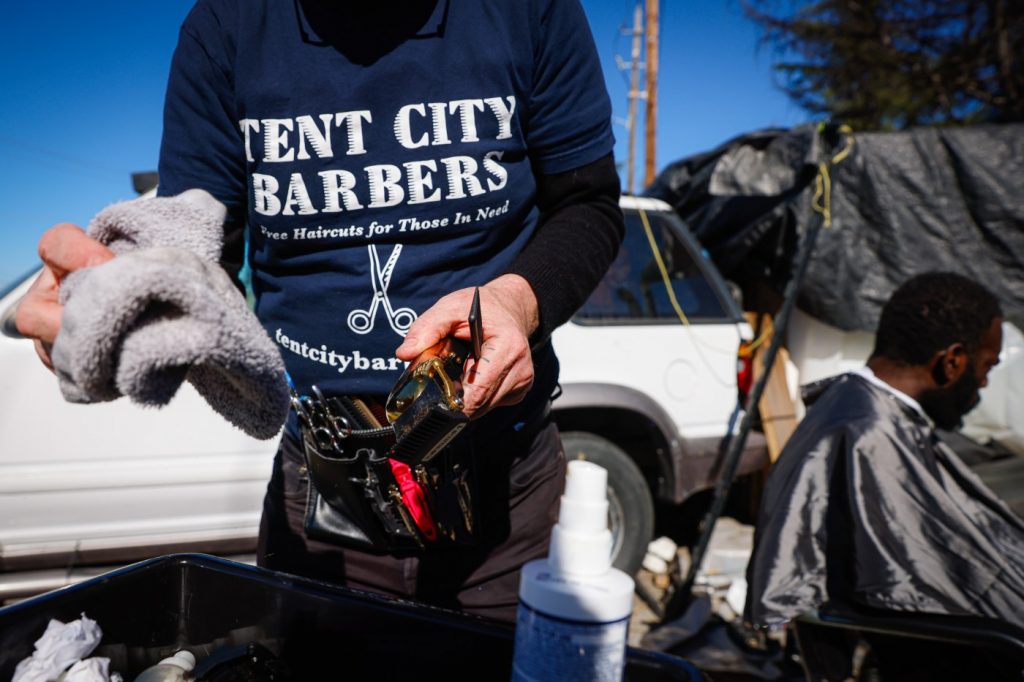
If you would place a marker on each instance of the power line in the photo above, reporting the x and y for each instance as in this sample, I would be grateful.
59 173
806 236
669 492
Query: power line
60 157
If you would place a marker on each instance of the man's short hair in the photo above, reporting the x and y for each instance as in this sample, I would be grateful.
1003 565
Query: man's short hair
932 311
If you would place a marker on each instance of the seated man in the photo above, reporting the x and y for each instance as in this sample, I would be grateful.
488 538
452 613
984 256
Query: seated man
865 505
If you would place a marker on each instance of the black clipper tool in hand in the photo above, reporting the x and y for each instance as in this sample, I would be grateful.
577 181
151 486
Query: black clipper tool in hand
425 406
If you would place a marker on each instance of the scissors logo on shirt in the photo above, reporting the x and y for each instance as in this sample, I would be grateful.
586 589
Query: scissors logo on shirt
362 321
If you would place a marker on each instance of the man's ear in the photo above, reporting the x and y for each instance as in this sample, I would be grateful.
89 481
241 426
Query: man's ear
949 365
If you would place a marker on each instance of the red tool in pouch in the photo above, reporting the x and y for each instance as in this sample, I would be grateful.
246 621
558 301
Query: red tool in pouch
413 498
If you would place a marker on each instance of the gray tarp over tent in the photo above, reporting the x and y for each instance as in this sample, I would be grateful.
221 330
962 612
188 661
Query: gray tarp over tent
902 203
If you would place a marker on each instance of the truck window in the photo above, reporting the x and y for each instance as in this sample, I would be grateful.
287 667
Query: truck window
634 288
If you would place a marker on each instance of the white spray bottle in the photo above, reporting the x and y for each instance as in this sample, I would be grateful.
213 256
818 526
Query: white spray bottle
574 608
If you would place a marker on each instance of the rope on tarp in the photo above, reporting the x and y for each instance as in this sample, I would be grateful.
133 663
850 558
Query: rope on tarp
821 202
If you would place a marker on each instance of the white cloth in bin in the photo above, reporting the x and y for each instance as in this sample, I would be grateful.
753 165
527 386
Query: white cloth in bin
95 669
61 645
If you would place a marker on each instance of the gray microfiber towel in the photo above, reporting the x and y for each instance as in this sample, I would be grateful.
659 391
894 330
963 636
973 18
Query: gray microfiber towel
162 312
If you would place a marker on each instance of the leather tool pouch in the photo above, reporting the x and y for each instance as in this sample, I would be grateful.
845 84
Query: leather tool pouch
357 497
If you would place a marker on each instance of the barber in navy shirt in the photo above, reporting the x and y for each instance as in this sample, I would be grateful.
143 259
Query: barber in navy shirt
385 159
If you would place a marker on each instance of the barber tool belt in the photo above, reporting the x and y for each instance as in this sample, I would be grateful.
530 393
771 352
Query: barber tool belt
392 479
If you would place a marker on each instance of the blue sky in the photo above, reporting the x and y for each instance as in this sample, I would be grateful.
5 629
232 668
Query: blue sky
81 93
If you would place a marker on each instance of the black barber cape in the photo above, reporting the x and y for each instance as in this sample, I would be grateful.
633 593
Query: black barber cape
866 506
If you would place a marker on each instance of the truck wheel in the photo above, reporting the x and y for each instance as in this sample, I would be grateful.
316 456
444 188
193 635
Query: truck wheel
630 507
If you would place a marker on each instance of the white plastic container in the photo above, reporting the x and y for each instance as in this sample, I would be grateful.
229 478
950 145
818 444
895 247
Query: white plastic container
174 668
574 608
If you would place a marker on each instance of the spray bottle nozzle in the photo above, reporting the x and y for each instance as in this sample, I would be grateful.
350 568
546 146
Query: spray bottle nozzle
581 542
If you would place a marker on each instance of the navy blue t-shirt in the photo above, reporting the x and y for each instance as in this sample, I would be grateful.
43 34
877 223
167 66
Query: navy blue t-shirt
377 166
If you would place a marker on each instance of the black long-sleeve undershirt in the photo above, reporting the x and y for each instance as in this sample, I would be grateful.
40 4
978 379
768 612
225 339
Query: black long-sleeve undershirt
578 237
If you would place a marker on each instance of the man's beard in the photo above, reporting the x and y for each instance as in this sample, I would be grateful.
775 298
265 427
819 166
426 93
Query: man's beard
947 406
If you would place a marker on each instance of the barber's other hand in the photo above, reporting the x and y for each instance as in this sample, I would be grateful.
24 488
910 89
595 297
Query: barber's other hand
63 248
504 373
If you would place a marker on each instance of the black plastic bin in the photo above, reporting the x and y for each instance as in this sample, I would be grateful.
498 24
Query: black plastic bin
202 603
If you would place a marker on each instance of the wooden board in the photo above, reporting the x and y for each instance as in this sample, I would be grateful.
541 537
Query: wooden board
778 412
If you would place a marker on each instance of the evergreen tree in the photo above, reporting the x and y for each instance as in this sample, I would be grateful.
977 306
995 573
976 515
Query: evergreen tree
890 64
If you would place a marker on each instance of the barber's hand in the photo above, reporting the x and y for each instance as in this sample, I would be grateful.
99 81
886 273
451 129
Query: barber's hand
504 373
64 248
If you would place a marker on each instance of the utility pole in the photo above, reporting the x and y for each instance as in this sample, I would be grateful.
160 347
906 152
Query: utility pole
634 94
651 71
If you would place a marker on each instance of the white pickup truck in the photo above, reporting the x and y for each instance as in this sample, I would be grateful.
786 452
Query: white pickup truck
649 390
